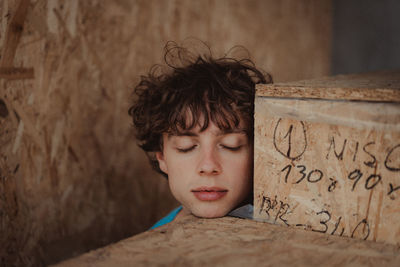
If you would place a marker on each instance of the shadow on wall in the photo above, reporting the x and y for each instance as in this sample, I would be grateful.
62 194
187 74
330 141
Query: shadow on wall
366 36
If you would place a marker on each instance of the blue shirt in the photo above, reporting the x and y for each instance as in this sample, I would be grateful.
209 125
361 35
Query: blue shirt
167 219
245 211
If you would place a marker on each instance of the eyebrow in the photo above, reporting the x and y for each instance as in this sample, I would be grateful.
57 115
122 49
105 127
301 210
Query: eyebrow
222 132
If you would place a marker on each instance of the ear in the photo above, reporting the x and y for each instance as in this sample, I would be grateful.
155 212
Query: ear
161 162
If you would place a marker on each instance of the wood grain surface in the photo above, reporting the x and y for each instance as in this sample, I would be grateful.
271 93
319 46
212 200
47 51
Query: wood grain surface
379 86
236 242
330 166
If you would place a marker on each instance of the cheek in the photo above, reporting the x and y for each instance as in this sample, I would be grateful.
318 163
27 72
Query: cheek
246 162
175 185
247 179
178 175
242 169
178 165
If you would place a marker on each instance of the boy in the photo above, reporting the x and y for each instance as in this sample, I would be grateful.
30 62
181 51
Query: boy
196 125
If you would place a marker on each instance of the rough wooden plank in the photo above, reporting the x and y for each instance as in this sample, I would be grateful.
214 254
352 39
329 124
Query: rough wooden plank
381 86
236 242
329 166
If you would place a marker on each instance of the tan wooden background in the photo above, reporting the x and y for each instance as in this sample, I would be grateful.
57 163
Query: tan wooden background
71 176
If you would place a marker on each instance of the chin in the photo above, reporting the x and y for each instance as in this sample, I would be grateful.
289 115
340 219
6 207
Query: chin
210 212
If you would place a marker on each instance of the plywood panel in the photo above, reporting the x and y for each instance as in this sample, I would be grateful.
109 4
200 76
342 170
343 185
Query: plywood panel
330 166
236 242
377 86
71 176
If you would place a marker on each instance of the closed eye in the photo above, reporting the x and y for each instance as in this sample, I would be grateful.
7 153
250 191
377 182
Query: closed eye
184 150
232 148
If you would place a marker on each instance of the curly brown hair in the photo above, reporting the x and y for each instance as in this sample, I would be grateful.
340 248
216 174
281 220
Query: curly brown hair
201 89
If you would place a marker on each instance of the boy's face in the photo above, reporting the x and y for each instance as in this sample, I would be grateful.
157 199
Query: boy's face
209 172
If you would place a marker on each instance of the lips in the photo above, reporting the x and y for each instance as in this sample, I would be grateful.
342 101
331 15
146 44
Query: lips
209 193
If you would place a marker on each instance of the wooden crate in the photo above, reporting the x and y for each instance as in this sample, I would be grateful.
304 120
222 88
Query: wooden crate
327 155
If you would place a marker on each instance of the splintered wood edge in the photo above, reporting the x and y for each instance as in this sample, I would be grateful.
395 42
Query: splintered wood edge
359 94
376 87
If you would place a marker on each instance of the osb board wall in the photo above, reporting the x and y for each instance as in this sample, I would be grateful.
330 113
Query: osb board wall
71 176
331 166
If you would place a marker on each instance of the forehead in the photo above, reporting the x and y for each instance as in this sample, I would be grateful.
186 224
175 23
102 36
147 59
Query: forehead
212 128
219 120
193 126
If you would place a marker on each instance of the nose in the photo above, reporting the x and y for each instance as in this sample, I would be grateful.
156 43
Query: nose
209 162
